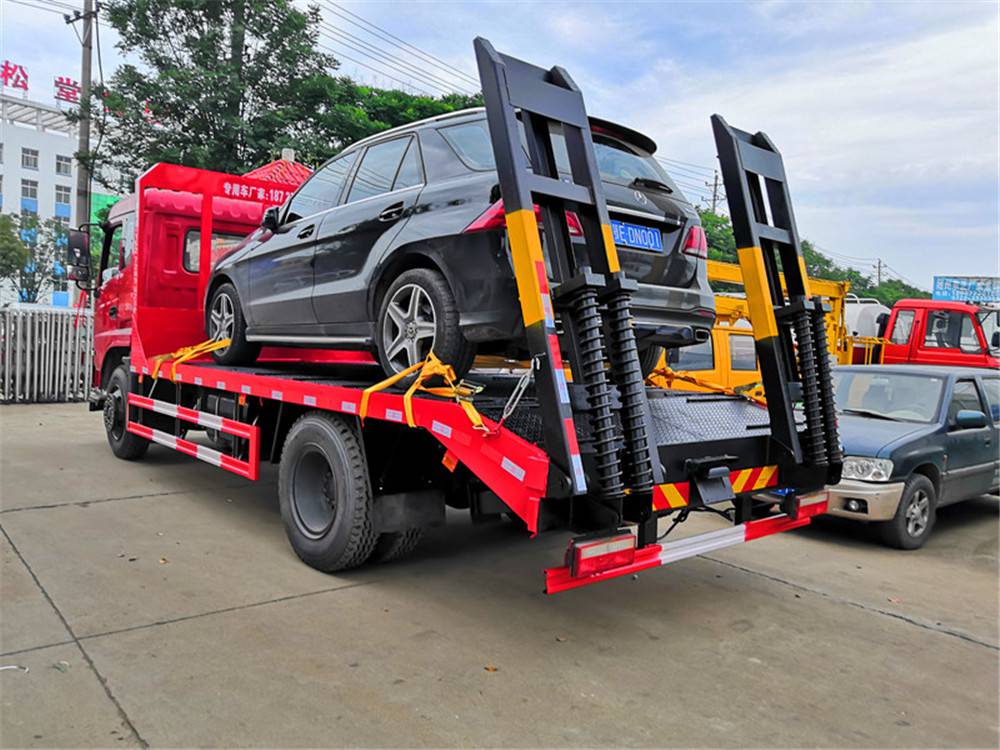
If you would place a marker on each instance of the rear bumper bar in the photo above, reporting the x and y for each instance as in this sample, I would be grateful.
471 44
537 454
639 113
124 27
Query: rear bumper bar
655 555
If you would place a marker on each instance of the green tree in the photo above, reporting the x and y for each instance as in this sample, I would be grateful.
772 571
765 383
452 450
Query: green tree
31 254
226 84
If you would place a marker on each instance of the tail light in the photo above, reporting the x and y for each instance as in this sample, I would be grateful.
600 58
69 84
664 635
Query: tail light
696 243
495 218
588 555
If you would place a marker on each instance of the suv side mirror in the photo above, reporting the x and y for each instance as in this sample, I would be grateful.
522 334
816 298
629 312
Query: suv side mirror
967 419
78 256
270 219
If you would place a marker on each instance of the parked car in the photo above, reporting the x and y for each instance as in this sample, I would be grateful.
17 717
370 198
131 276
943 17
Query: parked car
915 438
397 245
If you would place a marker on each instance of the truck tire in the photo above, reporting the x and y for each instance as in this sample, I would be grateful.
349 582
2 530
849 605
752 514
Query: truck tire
394 545
417 302
325 493
124 444
224 319
649 358
915 515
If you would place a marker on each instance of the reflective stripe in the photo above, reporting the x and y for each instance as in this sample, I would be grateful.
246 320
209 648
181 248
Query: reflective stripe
441 429
349 406
512 468
609 248
758 292
276 395
245 388
699 545
394 415
309 400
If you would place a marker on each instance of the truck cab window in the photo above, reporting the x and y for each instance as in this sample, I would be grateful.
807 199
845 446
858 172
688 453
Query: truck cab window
902 328
742 352
222 244
112 252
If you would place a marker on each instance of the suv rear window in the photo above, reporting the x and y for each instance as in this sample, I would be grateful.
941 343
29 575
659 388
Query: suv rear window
616 161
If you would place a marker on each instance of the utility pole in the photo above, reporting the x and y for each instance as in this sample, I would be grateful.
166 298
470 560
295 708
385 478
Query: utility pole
715 189
83 143
878 272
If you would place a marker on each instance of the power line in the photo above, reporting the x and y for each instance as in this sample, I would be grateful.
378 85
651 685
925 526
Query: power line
374 70
36 7
388 36
388 59
702 167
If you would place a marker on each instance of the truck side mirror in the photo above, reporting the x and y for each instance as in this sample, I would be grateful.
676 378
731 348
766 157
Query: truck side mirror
78 256
968 419
995 340
270 219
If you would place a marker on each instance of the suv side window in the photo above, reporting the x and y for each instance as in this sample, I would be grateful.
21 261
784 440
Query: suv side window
902 329
323 189
411 172
963 396
378 168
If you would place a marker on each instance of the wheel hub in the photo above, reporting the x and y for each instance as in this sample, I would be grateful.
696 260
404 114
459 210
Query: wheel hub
112 411
409 326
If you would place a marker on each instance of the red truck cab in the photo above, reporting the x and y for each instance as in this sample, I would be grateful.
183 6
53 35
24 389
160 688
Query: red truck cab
172 226
939 332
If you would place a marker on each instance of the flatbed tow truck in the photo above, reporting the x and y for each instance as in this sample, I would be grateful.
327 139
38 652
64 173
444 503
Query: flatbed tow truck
577 441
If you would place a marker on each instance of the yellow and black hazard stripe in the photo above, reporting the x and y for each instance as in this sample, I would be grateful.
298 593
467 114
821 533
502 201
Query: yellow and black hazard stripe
678 494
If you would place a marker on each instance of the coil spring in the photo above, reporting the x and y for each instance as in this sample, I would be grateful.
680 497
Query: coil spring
815 446
628 376
827 403
587 321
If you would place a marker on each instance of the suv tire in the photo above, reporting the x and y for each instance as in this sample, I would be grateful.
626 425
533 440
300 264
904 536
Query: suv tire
649 358
224 319
915 515
418 314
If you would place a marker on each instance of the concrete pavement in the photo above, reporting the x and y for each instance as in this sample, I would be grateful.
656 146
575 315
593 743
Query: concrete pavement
158 603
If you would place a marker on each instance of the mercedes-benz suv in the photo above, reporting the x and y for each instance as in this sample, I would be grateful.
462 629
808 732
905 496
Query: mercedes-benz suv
397 245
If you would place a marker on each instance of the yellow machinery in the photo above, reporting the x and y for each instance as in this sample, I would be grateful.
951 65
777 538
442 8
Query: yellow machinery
727 361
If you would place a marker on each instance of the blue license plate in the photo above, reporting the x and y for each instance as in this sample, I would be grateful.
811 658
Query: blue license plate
634 235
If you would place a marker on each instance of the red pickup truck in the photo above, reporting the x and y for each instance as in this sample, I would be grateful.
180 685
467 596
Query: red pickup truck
937 332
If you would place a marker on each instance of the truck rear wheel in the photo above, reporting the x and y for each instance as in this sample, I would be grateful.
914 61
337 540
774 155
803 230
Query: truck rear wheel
124 444
392 545
325 493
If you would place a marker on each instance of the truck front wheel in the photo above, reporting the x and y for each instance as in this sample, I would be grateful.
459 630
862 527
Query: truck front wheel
325 493
124 444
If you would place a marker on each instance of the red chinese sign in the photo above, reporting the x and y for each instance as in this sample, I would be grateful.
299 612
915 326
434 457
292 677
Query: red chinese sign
67 89
270 196
14 76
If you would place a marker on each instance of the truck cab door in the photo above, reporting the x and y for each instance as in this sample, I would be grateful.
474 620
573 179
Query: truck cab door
899 336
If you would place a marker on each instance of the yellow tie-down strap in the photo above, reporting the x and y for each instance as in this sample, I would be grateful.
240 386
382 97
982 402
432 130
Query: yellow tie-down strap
184 354
664 377
429 368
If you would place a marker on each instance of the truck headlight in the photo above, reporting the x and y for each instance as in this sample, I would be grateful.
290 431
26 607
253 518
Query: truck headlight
867 469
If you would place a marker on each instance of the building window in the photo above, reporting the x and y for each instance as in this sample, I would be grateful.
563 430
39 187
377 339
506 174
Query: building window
63 194
64 165
29 189
29 158
1 153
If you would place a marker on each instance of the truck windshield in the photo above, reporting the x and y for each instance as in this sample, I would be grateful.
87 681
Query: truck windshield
896 396
990 321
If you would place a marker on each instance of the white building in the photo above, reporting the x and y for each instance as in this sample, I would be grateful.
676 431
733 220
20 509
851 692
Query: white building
37 168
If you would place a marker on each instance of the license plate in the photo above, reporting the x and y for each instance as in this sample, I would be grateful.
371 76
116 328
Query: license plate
635 235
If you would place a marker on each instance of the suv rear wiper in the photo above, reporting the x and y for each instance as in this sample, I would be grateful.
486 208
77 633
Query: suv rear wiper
652 184
869 413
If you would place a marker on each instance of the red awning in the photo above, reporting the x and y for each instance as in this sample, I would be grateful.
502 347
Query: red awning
285 172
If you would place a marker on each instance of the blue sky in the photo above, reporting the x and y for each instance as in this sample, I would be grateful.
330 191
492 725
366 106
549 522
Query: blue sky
887 113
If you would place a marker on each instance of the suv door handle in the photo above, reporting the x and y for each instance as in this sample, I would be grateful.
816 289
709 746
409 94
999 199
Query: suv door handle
392 213
307 232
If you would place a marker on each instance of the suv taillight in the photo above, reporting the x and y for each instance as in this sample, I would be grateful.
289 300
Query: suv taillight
696 243
494 218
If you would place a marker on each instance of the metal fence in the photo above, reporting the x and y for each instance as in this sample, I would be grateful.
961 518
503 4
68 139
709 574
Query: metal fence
45 353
